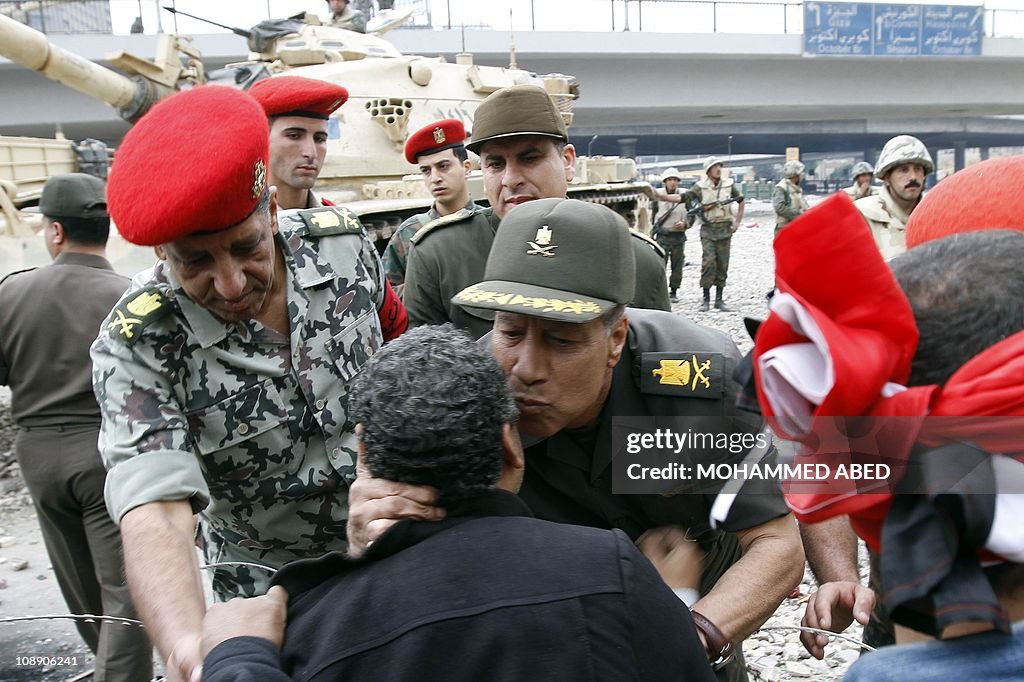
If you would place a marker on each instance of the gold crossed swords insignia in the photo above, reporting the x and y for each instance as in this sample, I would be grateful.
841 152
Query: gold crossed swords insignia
680 373
126 324
142 305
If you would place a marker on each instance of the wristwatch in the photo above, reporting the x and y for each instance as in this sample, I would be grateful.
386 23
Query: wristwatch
718 647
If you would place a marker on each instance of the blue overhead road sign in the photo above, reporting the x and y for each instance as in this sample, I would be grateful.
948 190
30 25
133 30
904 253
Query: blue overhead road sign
891 30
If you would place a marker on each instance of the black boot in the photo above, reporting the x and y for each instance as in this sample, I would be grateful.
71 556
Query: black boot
673 296
719 303
707 300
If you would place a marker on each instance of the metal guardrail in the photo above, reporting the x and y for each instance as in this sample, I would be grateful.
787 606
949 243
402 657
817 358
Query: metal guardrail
121 17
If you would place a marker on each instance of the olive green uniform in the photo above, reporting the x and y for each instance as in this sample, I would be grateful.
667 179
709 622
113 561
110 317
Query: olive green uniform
569 476
396 254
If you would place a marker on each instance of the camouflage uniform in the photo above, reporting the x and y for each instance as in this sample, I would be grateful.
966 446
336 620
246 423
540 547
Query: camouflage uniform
396 254
888 222
788 201
249 425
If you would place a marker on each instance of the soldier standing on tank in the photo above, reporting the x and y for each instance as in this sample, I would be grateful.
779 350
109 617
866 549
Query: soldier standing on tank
343 16
670 225
297 111
787 196
525 155
48 318
440 152
902 166
863 173
223 373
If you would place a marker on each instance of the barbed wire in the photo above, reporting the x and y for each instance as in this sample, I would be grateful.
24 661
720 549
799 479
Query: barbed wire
92 618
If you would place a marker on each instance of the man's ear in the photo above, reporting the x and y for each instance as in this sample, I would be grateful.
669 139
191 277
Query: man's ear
273 209
59 234
617 340
569 159
467 165
160 252
513 461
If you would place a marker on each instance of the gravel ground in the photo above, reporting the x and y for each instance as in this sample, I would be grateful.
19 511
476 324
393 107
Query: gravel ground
773 653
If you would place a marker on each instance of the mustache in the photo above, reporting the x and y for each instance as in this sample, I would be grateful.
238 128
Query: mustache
912 183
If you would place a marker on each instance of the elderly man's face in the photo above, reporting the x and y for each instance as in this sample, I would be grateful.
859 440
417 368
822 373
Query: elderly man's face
298 146
523 168
231 272
559 372
906 181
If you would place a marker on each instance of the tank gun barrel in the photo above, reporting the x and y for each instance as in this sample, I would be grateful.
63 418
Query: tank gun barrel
30 48
234 29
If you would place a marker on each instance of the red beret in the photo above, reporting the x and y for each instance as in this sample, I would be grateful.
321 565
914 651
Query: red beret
983 196
197 162
433 138
298 96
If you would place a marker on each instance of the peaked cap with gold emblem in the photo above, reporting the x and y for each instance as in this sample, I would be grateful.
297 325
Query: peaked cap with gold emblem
560 259
435 137
197 162
517 110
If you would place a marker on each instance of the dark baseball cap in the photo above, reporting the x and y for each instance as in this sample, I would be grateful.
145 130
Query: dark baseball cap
516 110
560 259
73 195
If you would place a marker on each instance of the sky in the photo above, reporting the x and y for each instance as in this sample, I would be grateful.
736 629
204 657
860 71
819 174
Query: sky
763 16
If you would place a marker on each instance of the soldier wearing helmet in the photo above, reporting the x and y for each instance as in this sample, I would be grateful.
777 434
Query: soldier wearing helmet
716 196
787 196
863 173
902 166
670 225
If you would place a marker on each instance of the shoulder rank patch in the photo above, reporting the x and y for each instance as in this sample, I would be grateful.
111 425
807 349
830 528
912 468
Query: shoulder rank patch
131 315
650 242
443 221
330 220
684 374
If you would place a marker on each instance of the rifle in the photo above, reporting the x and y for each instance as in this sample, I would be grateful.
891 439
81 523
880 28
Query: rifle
698 210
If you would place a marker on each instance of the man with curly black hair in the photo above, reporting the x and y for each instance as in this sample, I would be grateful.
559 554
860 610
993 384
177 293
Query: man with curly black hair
444 599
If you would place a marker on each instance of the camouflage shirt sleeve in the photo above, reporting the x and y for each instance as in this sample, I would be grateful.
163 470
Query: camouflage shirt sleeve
144 437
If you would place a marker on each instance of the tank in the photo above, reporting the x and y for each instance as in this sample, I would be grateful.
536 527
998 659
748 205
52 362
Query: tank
390 96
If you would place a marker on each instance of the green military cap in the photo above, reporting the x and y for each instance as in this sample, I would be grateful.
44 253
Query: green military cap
73 195
516 110
560 259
